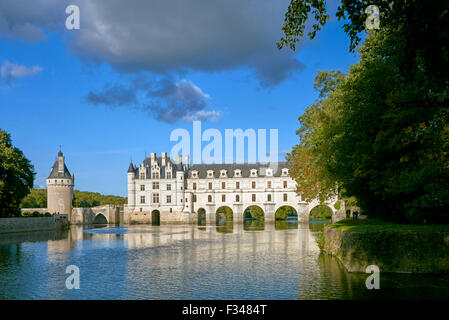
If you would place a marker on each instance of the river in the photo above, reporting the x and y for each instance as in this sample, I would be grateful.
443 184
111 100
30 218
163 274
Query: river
231 261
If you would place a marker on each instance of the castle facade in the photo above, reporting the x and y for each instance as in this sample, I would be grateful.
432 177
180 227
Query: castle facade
171 191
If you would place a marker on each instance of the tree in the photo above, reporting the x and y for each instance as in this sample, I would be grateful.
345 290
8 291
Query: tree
380 133
16 177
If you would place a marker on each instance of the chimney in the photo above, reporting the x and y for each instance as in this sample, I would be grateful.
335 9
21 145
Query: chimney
153 157
187 162
164 157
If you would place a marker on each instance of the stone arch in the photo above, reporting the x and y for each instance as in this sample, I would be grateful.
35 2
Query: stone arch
224 213
201 212
155 217
325 214
286 217
253 212
100 219
253 218
285 211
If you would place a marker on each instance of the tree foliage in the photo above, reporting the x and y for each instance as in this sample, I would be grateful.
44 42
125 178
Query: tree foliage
379 137
16 176
380 133
37 198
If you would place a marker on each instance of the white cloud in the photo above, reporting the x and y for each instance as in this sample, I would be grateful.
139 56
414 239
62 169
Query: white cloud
10 70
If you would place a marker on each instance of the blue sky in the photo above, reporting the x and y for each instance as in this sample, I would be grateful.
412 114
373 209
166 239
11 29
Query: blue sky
54 85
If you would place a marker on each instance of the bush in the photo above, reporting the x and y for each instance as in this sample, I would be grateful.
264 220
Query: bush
36 214
48 214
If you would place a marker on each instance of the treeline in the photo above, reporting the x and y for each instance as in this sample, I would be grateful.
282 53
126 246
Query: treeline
37 198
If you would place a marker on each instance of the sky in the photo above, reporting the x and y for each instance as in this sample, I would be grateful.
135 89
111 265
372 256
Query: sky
116 88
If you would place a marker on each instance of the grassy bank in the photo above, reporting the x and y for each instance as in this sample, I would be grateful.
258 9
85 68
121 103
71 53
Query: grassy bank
393 247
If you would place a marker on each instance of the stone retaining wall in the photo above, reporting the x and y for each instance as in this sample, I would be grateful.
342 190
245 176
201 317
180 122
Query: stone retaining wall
23 224
392 251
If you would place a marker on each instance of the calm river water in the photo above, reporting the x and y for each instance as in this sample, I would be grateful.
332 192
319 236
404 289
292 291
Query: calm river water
191 262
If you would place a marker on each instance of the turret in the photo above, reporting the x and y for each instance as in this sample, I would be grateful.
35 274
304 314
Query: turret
131 184
60 185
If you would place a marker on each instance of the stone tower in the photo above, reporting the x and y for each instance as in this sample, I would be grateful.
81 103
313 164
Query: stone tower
60 188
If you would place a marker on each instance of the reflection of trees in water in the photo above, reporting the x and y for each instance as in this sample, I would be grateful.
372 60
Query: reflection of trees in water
316 227
253 225
285 224
225 227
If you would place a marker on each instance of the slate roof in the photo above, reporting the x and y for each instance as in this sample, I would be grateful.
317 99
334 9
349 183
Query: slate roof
55 174
147 163
230 167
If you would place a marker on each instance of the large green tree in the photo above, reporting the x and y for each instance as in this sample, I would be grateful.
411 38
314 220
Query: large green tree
381 132
16 176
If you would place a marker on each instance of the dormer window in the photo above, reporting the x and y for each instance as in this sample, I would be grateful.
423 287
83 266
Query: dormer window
285 172
194 174
269 172
253 173
237 173
168 175
223 173
155 175
210 174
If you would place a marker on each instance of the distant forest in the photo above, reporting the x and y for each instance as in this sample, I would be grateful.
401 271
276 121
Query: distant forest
37 198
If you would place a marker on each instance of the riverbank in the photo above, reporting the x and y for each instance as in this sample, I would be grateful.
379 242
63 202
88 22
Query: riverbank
392 247
25 224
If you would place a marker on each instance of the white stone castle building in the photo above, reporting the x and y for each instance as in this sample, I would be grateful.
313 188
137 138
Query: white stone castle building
163 190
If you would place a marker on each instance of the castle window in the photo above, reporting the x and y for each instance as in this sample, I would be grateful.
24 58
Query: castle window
237 173
237 198
155 185
223 198
285 172
237 185
142 187
269 173
254 198
269 198
223 185
253 173
140 209
142 175
155 175
209 198
269 184
168 199
142 199
223 173
194 198
168 175
194 186
171 210
168 187
253 184
285 197
210 174
210 185
155 197
285 184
